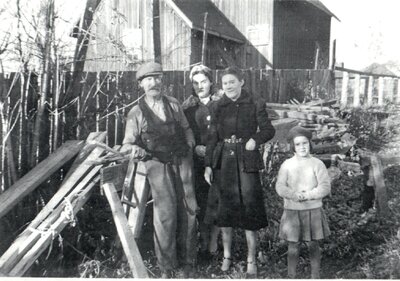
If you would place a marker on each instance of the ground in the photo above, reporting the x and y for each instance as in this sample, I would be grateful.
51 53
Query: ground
362 245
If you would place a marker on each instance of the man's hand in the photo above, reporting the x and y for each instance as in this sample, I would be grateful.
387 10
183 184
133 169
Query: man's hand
136 151
200 150
250 144
208 175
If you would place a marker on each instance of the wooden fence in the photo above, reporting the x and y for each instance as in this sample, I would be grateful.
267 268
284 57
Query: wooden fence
356 88
104 98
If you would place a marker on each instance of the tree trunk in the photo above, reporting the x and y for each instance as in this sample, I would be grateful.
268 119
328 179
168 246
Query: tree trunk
44 87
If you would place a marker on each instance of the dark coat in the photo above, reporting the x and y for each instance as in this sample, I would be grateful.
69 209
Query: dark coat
199 119
241 118
240 193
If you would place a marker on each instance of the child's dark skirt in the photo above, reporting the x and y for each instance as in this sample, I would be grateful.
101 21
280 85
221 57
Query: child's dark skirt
303 225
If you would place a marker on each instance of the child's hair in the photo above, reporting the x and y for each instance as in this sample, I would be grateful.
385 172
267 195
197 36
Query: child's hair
291 143
233 70
298 131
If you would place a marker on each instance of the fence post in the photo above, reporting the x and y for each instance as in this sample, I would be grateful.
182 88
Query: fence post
356 94
398 91
381 86
345 83
390 89
370 90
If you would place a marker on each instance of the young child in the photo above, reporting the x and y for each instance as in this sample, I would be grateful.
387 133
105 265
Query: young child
302 183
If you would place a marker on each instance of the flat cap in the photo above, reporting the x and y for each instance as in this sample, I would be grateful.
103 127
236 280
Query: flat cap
298 131
148 69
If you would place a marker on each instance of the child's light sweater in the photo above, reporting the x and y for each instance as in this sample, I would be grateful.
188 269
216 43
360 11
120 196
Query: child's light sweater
306 175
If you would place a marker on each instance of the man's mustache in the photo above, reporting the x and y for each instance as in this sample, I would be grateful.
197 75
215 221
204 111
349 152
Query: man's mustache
155 88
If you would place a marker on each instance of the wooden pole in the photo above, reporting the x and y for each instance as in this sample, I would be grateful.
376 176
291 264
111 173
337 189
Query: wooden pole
333 55
204 46
356 94
381 87
379 182
317 50
128 241
370 90
398 91
345 84
390 92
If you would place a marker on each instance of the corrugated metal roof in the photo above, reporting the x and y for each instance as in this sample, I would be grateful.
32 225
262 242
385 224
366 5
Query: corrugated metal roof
319 5
192 12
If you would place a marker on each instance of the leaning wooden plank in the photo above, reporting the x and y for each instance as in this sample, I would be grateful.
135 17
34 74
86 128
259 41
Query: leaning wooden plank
45 239
141 194
380 188
38 175
86 150
67 185
128 241
31 235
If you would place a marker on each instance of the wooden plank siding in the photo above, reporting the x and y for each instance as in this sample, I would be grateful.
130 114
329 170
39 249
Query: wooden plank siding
297 27
115 21
175 39
259 15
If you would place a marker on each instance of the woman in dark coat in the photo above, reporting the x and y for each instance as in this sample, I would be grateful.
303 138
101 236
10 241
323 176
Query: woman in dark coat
197 108
239 127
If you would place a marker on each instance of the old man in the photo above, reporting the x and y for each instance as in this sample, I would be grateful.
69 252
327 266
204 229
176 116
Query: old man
158 133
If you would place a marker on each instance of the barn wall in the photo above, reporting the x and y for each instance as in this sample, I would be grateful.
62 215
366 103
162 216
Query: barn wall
175 39
254 19
120 35
297 28
220 53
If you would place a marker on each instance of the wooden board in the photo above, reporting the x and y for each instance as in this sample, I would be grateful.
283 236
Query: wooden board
86 150
140 196
127 240
70 180
115 174
27 239
379 183
38 175
45 239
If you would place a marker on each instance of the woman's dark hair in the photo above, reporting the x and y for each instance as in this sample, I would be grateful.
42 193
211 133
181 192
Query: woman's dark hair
233 70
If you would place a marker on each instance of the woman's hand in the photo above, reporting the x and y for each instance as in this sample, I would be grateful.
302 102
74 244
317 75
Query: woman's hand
200 150
208 175
250 144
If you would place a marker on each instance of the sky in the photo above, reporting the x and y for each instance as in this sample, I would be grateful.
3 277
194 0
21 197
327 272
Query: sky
368 31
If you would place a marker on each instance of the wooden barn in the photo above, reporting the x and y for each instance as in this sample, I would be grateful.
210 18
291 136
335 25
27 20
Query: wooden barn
279 34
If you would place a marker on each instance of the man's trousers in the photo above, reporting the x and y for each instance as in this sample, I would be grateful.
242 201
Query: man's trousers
175 206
